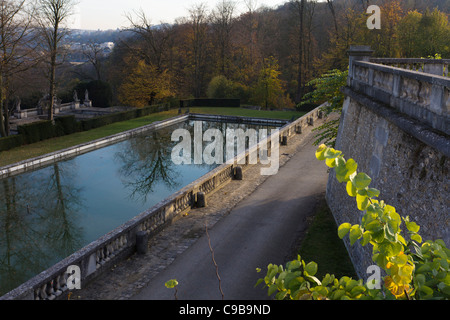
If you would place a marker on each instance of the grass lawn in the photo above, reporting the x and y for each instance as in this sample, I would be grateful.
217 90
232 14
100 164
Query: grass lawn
323 246
52 145
285 115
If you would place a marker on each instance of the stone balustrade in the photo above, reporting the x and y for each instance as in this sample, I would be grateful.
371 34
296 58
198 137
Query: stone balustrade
437 67
100 255
420 95
34 112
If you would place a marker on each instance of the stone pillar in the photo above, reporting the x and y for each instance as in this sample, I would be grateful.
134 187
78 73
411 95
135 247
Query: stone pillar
201 200
434 68
357 53
238 175
142 242
284 140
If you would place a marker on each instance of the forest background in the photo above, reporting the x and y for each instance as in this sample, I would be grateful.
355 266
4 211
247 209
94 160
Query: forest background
265 56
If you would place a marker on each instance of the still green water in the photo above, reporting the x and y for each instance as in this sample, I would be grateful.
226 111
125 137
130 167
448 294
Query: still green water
50 213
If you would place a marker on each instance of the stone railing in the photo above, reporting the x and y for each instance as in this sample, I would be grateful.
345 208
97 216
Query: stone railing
422 96
34 112
100 255
437 67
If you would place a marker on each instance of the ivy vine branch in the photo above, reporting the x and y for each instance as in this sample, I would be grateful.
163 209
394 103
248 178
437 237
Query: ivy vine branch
414 269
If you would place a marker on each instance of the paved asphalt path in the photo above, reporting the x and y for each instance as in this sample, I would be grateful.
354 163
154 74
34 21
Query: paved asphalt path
261 229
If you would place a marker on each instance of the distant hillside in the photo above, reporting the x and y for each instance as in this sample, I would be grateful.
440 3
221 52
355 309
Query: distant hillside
96 36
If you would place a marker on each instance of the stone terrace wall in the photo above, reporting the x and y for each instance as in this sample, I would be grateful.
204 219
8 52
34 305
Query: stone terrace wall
396 145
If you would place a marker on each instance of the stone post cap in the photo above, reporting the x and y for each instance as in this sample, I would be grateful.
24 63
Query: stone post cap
359 50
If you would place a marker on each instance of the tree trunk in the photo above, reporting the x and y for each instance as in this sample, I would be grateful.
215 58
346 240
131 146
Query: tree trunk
299 96
53 72
2 116
52 89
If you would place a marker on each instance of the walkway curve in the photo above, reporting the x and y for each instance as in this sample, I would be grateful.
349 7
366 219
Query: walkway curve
251 223
261 229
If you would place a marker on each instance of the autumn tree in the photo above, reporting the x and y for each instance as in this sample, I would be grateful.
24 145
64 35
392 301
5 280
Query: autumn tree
352 30
269 88
143 85
423 35
385 40
408 32
52 17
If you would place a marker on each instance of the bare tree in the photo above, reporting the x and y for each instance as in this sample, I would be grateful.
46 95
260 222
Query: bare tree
94 53
199 24
155 46
333 13
15 21
222 21
53 14
251 5
299 7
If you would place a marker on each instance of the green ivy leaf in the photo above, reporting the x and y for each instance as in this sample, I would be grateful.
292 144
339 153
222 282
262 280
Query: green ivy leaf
355 234
343 230
390 249
362 202
330 162
420 279
366 237
413 227
373 193
351 166
351 190
361 181
417 238
171 284
311 268
331 153
400 260
272 289
426 292
320 153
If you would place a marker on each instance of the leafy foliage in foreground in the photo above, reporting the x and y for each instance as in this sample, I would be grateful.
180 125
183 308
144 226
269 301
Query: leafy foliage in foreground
413 271
327 89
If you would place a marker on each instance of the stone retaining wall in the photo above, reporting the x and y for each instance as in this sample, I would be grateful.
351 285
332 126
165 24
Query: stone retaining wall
394 124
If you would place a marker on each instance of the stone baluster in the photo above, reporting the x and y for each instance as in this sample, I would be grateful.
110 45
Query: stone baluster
50 291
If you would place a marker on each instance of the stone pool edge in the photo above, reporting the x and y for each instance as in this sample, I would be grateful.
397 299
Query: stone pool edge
120 243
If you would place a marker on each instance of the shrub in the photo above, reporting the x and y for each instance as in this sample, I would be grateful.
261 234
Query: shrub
230 103
11 142
327 89
100 93
37 131
66 125
220 87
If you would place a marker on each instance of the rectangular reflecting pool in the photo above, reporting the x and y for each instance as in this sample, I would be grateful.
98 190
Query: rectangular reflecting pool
49 213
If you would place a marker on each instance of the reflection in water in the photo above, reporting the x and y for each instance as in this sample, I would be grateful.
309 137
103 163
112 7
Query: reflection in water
48 214
38 222
146 161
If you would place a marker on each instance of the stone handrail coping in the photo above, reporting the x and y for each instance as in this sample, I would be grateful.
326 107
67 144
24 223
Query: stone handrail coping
417 75
422 96
409 61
